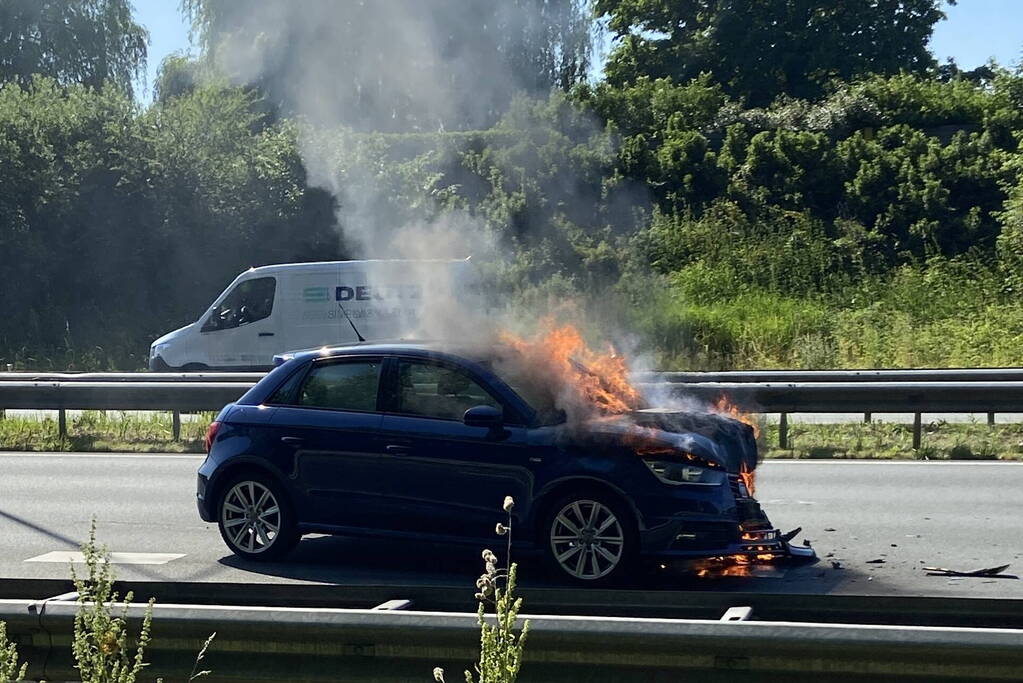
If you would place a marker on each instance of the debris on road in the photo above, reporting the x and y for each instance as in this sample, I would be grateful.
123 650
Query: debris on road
836 565
792 534
827 528
879 560
989 572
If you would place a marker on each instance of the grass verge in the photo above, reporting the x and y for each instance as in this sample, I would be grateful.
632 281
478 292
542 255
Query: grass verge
940 440
105 431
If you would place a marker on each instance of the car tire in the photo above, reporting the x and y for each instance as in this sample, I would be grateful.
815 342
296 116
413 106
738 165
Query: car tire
256 519
590 538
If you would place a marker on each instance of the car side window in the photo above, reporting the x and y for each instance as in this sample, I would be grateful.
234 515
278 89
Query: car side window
250 301
342 386
437 391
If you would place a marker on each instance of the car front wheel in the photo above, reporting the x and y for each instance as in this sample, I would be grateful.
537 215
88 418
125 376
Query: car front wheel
589 538
255 518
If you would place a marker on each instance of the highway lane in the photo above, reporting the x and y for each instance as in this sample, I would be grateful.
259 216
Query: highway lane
908 514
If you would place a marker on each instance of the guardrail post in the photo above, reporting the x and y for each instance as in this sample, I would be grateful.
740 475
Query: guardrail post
990 419
783 431
917 424
866 418
62 424
176 424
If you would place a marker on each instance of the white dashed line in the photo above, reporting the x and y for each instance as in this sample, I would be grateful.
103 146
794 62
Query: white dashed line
66 556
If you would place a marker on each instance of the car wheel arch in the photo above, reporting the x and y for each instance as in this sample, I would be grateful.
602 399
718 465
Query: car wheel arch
243 465
556 490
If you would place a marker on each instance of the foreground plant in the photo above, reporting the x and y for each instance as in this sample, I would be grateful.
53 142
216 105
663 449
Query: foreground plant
100 646
500 646
9 670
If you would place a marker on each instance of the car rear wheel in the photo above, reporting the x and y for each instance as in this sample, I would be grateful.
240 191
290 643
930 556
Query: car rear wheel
589 538
255 518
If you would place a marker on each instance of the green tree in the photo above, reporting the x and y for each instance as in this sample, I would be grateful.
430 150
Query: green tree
759 50
88 42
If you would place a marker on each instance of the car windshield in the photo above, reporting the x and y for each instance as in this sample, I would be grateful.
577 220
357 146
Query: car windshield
538 394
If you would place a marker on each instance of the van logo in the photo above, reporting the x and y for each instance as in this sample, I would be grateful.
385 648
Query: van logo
377 293
314 295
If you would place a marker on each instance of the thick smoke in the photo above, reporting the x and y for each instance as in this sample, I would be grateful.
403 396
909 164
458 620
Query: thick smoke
348 70
352 70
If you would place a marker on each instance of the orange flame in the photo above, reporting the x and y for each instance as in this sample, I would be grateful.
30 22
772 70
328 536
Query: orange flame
597 380
731 565
749 478
725 406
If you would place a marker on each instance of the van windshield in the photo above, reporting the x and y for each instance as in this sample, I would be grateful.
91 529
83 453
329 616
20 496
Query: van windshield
249 301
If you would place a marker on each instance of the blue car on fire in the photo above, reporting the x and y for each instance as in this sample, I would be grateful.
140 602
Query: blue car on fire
424 441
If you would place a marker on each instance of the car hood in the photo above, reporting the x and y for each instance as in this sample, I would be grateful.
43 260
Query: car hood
723 440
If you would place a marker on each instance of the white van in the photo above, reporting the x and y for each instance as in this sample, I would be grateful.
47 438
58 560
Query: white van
272 309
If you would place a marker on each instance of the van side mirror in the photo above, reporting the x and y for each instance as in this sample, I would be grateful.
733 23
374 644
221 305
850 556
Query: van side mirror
483 416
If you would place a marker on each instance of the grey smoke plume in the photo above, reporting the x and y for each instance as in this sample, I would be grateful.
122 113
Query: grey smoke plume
400 66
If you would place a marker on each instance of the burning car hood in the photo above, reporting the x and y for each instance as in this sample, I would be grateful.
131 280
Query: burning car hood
724 440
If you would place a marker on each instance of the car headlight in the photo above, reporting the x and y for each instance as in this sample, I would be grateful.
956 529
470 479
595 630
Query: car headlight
155 350
673 472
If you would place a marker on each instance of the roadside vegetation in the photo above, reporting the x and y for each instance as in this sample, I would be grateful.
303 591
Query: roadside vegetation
105 431
940 440
104 646
860 206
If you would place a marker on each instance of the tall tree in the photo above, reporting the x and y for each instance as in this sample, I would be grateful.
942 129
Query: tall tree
399 65
72 41
758 50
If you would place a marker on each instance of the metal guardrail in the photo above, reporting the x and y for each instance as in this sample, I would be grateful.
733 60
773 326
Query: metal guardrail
325 644
741 376
928 375
180 392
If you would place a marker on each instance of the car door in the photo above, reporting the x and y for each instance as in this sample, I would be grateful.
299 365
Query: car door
241 330
448 478
329 423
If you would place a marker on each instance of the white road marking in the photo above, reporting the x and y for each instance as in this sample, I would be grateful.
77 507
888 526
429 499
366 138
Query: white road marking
68 454
66 556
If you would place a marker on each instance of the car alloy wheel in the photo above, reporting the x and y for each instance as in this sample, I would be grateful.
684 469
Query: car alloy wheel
587 540
251 518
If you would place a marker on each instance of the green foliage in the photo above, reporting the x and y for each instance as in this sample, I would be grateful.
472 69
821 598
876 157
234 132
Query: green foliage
87 42
760 50
500 646
10 672
119 224
100 644
878 440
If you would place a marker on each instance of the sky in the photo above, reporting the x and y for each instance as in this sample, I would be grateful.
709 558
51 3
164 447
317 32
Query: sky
974 31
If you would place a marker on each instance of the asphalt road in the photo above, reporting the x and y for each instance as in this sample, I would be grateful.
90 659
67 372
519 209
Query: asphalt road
908 514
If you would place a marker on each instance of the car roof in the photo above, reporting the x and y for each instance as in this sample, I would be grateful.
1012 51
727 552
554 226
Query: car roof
421 348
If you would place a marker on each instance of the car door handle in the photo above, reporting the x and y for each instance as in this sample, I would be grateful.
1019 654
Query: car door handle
292 440
398 449
266 334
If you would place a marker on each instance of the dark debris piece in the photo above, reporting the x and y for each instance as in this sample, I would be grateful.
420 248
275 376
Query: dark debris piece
995 572
879 560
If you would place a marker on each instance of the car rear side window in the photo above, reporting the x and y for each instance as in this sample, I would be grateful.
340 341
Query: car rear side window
438 391
342 386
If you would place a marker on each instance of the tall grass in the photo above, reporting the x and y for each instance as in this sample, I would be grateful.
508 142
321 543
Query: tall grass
104 431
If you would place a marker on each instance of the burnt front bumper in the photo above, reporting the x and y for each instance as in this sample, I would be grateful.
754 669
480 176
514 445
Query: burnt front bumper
745 531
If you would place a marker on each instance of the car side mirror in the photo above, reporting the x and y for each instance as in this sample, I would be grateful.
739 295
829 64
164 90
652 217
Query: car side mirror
483 416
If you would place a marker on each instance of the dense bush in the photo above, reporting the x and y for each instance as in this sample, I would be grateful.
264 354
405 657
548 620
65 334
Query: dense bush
118 223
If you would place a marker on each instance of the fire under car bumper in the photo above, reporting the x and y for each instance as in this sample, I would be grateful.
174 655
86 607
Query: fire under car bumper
709 536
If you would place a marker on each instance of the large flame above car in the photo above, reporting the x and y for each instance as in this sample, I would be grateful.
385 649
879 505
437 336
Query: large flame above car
581 376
